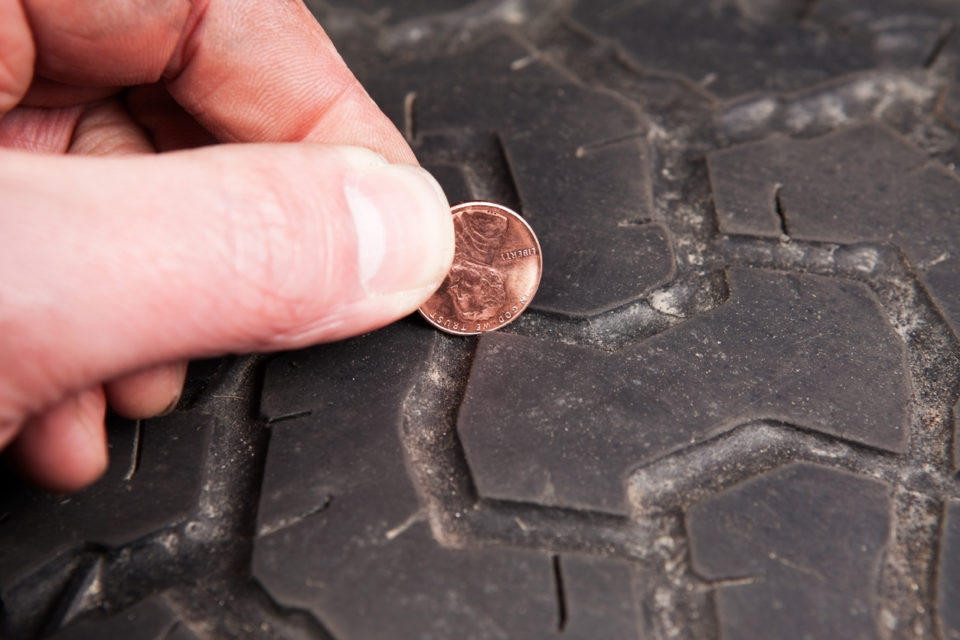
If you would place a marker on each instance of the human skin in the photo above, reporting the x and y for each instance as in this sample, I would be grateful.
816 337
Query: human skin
153 210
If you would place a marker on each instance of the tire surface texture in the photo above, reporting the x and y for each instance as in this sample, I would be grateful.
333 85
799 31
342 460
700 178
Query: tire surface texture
730 411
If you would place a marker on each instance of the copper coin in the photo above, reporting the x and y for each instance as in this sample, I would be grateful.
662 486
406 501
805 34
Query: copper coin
495 273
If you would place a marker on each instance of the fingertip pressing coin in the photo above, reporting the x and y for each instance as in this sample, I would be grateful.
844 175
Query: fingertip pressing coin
495 273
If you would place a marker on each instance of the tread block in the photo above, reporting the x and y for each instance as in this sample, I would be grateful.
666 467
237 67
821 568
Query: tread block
360 584
801 548
453 181
874 188
592 212
563 425
949 574
908 31
120 508
599 602
340 529
335 375
735 48
334 459
150 619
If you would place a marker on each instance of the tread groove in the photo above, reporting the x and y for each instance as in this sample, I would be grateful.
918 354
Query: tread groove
409 116
946 33
136 455
561 594
781 212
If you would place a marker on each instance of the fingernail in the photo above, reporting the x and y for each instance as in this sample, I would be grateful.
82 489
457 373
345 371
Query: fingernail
167 410
177 373
403 226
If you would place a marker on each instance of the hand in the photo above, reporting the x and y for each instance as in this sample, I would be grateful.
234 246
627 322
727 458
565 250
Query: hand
119 263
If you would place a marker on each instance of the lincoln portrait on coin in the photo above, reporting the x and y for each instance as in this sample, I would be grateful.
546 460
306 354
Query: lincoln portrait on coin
477 292
496 270
476 289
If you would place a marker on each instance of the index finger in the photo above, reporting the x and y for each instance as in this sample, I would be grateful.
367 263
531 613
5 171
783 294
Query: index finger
248 70
267 71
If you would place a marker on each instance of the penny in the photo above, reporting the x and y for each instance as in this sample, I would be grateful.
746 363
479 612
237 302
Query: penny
495 273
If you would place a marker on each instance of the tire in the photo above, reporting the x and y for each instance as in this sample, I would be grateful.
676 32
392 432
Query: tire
730 411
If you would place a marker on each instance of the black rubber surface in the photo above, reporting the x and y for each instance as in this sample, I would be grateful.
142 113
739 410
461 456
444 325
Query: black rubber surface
730 412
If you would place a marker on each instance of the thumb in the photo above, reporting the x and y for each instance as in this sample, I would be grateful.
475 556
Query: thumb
114 263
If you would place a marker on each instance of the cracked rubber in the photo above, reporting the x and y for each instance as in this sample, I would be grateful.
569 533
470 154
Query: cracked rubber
729 413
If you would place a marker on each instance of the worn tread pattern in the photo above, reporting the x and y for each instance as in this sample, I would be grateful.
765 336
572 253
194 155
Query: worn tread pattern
822 533
730 412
